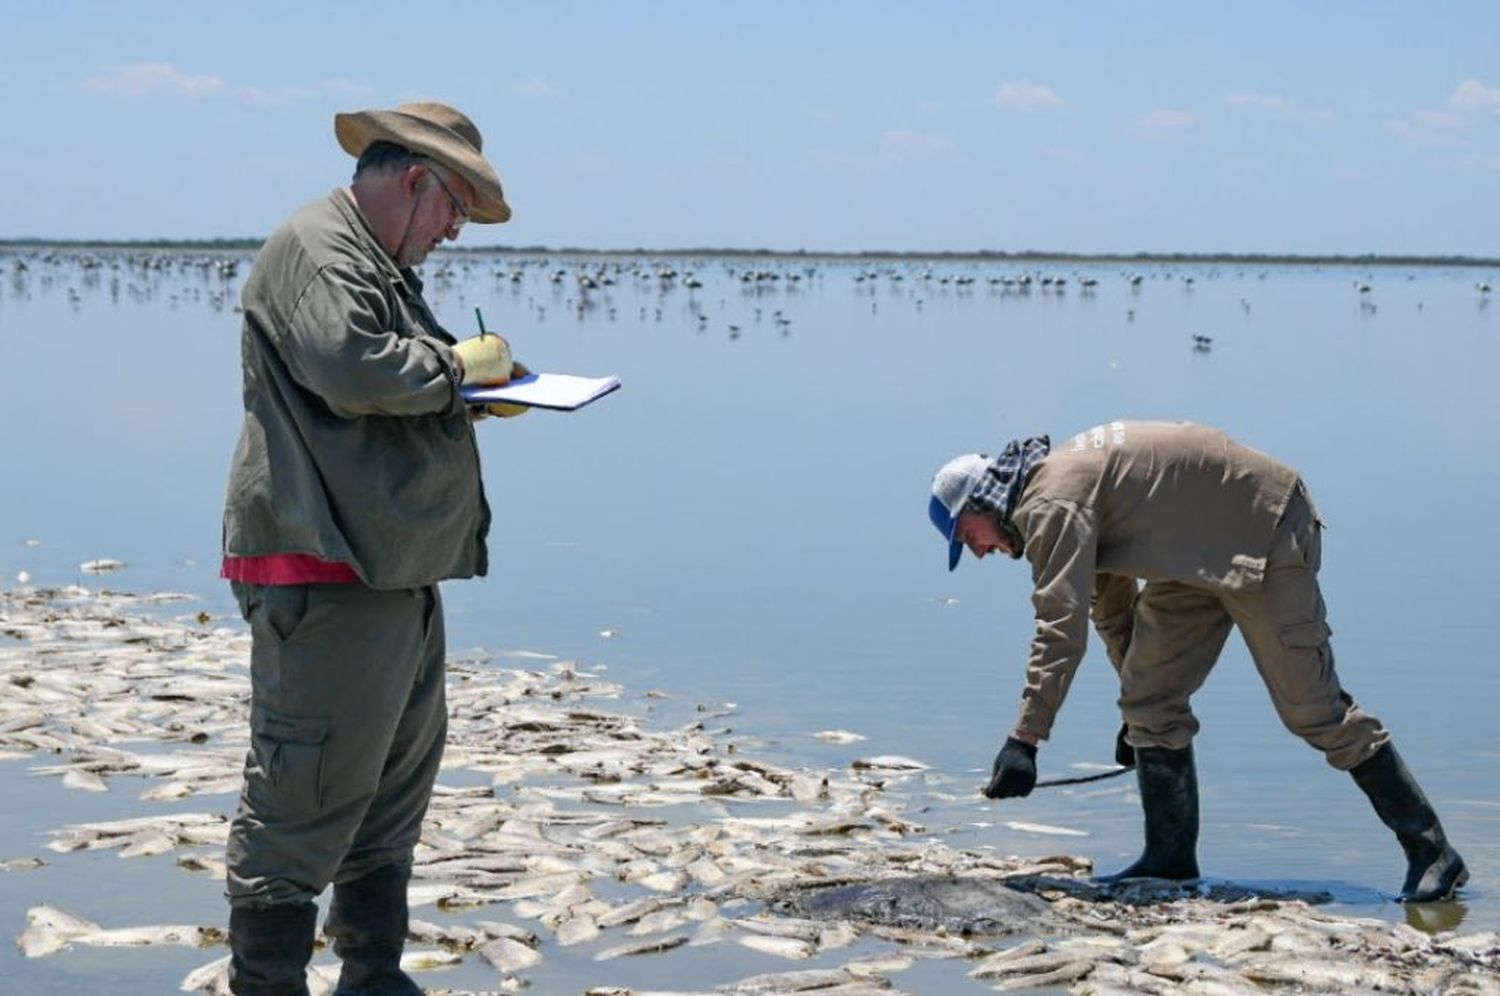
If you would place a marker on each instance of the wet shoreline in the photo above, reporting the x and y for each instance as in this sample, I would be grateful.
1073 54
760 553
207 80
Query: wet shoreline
581 840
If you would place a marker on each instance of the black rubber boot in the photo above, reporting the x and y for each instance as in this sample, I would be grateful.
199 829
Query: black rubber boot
270 947
1433 868
1169 796
367 926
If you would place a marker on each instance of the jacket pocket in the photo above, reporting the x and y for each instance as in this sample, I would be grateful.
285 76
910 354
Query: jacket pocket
1307 634
289 757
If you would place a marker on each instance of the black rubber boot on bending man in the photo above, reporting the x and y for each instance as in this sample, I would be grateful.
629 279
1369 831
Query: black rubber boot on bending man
1169 795
1433 868
270 947
367 924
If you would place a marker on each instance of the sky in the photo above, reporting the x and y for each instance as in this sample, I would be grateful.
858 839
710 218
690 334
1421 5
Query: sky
1268 127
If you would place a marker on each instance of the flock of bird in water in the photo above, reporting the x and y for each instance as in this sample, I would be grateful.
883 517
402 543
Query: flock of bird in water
584 284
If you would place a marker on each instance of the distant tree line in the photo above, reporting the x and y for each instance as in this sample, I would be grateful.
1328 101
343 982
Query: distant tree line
980 255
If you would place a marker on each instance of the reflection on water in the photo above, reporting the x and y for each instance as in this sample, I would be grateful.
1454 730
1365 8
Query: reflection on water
744 521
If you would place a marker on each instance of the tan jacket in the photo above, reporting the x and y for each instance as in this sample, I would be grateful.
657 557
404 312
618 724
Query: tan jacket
356 446
1156 501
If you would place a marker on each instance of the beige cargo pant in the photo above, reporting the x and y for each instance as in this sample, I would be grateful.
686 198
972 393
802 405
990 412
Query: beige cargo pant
1178 631
348 718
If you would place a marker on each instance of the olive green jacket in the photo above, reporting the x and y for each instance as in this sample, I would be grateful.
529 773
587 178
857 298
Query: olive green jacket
1155 501
356 445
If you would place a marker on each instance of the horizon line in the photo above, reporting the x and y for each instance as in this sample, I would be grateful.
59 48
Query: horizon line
1031 255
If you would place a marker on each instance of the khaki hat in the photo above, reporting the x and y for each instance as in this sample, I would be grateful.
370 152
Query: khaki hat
431 129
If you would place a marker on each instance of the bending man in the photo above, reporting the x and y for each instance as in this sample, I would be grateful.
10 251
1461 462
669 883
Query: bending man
1222 536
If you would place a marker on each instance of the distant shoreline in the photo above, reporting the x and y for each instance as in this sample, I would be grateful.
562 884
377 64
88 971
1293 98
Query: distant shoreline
978 256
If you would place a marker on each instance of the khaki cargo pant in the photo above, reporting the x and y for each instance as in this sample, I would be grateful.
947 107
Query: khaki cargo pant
1179 630
347 724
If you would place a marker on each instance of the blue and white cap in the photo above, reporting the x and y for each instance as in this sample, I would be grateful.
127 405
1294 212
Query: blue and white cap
952 485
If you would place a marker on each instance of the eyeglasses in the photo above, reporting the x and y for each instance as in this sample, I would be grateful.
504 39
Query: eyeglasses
460 216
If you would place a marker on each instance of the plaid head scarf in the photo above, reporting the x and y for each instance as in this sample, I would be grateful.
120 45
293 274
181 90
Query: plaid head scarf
1004 479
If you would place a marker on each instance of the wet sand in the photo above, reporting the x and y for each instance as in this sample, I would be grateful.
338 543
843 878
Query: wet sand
586 837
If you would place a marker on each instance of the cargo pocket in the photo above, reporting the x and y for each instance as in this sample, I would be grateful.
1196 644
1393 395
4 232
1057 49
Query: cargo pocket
289 755
1302 636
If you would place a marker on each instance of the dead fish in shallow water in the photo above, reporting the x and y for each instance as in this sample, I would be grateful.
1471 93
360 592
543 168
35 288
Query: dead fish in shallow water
839 736
1044 828
428 959
212 978
181 936
887 762
781 947
509 955
577 930
101 566
809 980
643 947
50 929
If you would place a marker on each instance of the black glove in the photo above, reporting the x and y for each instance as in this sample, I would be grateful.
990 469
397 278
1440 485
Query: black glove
1124 753
1015 770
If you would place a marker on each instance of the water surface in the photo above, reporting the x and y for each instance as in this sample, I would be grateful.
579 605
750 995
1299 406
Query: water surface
745 522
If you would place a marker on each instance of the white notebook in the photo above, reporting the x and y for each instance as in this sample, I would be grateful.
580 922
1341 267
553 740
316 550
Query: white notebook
561 392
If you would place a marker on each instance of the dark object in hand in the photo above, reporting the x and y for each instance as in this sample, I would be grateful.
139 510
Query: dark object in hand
1124 753
1015 770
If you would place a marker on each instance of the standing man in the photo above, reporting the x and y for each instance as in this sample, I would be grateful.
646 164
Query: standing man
1222 536
354 490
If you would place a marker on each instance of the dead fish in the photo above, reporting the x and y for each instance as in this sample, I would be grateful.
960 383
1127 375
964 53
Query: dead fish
839 736
428 959
181 936
809 980
630 912
782 947
643 947
1318 974
101 566
509 955
50 929
21 864
802 930
148 844
658 922
879 966
1011 962
577 930
1044 828
1070 972
887 762
212 978
807 790
712 931
454 936
669 882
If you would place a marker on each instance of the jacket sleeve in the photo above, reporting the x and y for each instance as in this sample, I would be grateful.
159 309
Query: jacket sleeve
1113 612
340 344
1060 543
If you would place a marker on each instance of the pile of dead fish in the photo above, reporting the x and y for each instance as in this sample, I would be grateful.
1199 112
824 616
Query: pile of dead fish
615 839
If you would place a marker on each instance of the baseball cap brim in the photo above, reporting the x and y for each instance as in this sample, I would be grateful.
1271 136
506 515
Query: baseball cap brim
948 526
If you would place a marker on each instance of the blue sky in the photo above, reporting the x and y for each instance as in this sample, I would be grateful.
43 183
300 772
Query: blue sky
838 126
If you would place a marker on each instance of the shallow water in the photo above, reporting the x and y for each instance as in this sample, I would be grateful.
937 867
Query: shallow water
745 519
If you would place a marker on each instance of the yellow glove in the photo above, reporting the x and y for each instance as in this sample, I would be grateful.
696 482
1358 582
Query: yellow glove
486 360
503 410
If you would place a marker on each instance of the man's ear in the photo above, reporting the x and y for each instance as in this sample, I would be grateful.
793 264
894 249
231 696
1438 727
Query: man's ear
410 177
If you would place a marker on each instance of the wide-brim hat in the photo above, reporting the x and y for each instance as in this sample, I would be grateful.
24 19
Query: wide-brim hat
952 486
435 130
